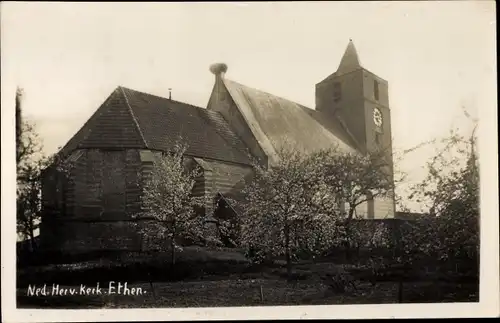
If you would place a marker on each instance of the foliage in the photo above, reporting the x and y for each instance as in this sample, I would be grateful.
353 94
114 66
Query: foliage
295 206
447 237
354 178
30 163
351 180
29 198
340 282
229 231
286 210
167 198
451 190
370 235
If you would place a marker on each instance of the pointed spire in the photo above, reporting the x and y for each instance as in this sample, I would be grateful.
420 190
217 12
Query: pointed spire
350 60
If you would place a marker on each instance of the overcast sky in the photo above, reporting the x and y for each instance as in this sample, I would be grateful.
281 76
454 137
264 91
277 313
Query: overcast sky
69 57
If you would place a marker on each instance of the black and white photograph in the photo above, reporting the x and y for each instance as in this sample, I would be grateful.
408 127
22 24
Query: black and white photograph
258 160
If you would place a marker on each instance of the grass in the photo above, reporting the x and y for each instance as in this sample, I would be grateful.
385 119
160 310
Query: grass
193 262
237 292
222 278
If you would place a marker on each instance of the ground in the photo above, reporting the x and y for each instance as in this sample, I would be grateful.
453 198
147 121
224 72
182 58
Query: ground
237 286
229 293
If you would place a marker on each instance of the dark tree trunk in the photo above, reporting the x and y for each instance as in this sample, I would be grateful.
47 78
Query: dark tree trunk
288 266
32 237
172 244
172 247
347 243
404 262
287 253
348 232
152 287
148 271
150 279
347 250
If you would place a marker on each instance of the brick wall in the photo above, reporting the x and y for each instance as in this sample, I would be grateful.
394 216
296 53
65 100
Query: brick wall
82 236
132 182
104 185
95 210
102 195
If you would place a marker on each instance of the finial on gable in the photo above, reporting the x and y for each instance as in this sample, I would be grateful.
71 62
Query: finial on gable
218 69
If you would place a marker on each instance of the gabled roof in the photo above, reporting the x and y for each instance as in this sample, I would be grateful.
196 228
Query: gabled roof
277 122
133 119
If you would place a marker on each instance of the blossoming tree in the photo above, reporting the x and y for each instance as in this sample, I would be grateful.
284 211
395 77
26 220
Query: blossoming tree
168 199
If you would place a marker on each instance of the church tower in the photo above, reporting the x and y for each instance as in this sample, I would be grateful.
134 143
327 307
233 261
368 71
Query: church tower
360 100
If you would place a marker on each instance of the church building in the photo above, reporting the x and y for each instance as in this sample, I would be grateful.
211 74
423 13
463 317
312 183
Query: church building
93 208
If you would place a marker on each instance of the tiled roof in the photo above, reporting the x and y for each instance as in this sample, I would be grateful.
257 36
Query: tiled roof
114 127
133 119
277 121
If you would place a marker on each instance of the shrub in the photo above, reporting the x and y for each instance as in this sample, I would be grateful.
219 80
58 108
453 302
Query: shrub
340 282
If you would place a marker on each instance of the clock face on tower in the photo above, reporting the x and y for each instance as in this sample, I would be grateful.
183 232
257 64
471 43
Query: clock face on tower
377 117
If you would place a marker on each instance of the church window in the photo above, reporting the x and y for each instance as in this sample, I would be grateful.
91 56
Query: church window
375 90
337 92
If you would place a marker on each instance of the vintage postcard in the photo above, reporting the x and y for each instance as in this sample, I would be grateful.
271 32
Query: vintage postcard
269 160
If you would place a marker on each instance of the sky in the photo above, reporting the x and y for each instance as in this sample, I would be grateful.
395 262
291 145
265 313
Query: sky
68 57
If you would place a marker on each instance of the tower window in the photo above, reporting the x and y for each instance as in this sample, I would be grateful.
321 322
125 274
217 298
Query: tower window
337 92
375 89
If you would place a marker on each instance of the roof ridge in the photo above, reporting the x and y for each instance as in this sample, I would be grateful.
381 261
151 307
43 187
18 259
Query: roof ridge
66 149
160 97
133 116
347 132
298 115
334 117
206 122
260 136
359 147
